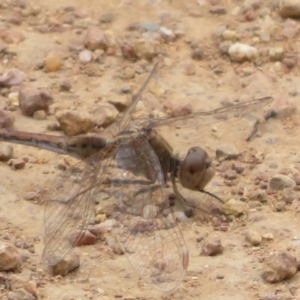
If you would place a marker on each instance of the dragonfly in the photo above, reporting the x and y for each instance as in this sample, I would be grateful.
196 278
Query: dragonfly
132 168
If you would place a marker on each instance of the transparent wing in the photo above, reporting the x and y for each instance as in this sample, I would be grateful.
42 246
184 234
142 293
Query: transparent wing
203 118
145 227
123 121
70 206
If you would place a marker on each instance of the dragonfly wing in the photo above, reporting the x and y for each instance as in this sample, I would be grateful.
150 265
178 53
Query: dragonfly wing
127 117
203 118
145 227
70 206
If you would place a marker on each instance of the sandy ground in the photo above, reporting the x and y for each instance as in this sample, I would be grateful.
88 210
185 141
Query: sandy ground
103 274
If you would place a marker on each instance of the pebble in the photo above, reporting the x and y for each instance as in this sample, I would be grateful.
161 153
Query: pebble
189 68
276 54
86 56
67 265
229 35
6 119
212 247
14 98
280 206
39 115
279 182
10 259
234 207
253 237
278 267
226 151
289 62
239 52
290 9
128 52
32 99
107 17
20 294
16 163
150 26
65 85
128 73
6 152
120 103
125 89
144 49
52 62
197 54
95 39
73 122
230 174
224 47
105 114
78 238
12 77
11 36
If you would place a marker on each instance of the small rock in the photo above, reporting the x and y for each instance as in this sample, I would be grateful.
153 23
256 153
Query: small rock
128 73
10 259
150 26
6 152
253 237
106 17
65 85
128 52
6 119
144 49
11 36
224 47
86 56
268 236
125 89
53 62
16 164
229 35
234 207
78 238
120 103
73 122
290 9
279 182
67 265
278 267
280 206
226 151
20 294
217 10
12 77
178 109
105 114
14 98
197 54
39 115
212 247
289 62
189 68
230 174
276 54
238 167
32 99
242 52
95 39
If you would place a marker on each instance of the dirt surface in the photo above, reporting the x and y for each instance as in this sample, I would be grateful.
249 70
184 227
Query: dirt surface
237 272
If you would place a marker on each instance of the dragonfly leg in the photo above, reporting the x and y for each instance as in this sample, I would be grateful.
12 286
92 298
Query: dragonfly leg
271 114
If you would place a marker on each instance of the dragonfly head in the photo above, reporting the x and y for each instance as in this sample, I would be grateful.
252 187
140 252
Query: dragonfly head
196 170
